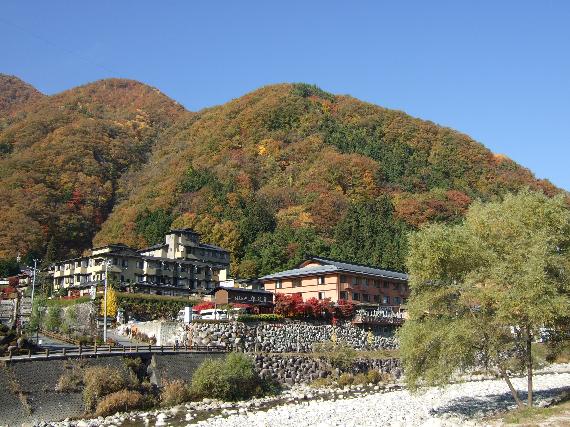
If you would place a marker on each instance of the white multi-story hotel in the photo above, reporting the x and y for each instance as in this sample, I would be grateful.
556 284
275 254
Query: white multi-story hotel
180 266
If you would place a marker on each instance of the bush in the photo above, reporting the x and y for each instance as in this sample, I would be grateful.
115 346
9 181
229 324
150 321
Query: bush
322 382
152 307
53 318
339 355
231 379
100 381
120 401
345 379
260 318
71 380
373 376
174 393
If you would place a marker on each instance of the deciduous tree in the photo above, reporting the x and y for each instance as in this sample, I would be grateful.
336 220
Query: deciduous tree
481 290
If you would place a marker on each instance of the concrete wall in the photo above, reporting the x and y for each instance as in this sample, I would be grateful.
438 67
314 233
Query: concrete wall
168 367
166 333
27 391
27 388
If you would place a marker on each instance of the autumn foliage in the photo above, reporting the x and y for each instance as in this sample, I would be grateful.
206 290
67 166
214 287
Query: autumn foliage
204 305
313 308
282 172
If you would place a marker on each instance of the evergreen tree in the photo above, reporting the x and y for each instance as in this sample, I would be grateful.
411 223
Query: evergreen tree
369 234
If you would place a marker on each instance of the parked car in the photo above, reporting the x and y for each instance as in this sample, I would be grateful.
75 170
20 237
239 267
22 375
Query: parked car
213 314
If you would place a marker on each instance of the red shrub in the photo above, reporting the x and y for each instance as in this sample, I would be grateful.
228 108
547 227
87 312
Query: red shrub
289 305
344 309
204 305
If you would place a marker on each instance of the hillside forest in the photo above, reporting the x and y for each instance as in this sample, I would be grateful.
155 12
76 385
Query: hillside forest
281 172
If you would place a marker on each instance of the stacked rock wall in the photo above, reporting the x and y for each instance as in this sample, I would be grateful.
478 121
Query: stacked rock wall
283 337
299 369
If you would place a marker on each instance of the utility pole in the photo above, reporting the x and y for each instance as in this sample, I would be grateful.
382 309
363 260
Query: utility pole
34 282
105 303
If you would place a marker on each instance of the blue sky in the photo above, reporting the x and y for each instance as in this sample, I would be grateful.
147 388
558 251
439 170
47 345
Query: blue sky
496 70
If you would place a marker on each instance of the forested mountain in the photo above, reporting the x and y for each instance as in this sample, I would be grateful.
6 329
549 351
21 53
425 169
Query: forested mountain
61 158
285 170
14 93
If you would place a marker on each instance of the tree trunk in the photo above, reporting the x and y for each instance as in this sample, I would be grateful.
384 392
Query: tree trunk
529 365
511 388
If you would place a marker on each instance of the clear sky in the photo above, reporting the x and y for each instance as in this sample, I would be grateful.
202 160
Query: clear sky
496 70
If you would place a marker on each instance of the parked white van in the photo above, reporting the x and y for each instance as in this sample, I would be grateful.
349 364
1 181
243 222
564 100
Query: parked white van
213 314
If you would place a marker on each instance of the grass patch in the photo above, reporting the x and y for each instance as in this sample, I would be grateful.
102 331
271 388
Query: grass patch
339 355
101 381
529 416
347 379
174 393
71 380
120 401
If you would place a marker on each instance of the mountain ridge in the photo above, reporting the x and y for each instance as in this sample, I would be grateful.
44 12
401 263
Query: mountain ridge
284 170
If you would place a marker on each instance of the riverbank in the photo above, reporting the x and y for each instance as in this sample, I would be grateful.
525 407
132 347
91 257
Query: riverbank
468 403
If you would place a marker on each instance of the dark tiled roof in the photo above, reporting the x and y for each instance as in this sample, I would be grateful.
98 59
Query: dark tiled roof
208 246
153 247
331 266
184 230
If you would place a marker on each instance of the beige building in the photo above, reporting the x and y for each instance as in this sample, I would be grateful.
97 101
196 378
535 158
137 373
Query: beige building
323 278
180 266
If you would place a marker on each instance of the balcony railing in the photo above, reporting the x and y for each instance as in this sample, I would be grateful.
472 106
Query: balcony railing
392 315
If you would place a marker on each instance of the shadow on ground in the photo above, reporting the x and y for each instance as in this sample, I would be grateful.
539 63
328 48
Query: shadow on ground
480 406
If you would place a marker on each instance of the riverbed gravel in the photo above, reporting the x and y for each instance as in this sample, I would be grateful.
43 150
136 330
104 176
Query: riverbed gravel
460 404
456 405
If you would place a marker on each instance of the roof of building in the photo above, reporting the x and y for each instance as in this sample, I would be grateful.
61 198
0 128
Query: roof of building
184 230
332 266
208 246
111 245
249 291
153 247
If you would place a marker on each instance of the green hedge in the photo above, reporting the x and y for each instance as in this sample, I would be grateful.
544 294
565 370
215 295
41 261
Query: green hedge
67 302
153 307
260 318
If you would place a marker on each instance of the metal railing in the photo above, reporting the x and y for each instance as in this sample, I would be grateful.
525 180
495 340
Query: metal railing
109 350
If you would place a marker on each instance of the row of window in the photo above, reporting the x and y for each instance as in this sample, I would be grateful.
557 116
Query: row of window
124 263
206 252
357 281
377 283
194 284
378 299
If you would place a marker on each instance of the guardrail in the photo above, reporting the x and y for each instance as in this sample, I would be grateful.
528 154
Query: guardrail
108 350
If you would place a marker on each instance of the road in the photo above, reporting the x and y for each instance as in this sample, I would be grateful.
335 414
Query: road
122 339
51 343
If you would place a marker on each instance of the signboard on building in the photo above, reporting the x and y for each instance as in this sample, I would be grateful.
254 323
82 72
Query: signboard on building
242 296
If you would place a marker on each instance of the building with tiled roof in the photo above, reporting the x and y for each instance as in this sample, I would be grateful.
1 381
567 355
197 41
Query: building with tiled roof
181 266
327 278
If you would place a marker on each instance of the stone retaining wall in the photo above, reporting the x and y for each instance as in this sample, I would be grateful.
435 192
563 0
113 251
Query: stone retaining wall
300 369
283 337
